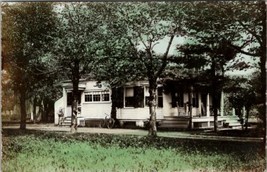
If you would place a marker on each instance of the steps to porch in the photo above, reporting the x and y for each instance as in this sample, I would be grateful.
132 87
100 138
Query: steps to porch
170 122
67 121
182 122
232 122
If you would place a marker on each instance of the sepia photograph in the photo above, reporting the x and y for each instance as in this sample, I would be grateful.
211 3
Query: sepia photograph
133 86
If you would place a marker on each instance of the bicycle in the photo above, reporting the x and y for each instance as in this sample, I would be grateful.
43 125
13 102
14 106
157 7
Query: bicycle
107 122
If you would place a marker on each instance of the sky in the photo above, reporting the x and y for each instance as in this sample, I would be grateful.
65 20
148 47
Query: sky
161 46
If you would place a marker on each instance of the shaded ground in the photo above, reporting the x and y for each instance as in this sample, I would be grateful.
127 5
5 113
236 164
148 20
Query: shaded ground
39 150
223 135
184 150
127 139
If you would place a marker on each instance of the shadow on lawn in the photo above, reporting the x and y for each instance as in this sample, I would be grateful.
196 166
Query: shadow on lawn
254 132
188 145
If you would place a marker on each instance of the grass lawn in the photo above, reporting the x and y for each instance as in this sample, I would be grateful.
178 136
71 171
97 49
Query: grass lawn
32 151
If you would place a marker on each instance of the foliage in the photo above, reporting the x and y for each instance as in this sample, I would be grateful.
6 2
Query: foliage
144 26
78 152
217 31
76 39
114 62
249 19
243 92
27 29
76 45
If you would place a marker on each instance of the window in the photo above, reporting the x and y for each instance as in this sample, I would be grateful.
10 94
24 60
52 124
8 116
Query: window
129 97
195 100
105 96
134 96
88 98
177 97
97 96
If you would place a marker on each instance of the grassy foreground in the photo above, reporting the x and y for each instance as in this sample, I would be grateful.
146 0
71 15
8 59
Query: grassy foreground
46 151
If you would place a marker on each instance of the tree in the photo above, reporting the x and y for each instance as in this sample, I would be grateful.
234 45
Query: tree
242 94
26 30
76 45
251 20
8 97
114 63
46 90
146 25
214 55
244 25
239 26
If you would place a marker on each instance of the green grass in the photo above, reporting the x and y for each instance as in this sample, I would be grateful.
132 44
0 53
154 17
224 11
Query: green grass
47 151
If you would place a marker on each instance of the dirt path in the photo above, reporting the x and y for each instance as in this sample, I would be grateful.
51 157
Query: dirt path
139 132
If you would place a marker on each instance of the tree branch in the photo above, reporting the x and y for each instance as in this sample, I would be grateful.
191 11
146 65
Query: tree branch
253 33
133 46
244 52
164 60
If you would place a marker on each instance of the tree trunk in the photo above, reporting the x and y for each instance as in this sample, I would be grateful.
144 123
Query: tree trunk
247 115
190 107
113 112
238 111
23 113
214 94
75 96
34 109
152 108
74 110
45 109
263 72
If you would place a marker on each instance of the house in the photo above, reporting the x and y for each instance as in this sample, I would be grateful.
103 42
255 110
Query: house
173 110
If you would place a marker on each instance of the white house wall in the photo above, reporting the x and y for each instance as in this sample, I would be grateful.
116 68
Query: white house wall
103 108
137 113
95 109
168 110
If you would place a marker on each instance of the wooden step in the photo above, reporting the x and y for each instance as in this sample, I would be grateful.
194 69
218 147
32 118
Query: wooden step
182 126
67 121
174 122
176 117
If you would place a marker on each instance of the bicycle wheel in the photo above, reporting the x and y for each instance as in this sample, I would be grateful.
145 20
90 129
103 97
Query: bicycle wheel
110 123
102 123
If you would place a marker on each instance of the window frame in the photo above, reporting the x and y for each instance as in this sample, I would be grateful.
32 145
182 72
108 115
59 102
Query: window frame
97 96
129 100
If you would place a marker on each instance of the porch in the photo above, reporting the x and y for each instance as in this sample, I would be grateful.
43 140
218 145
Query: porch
202 122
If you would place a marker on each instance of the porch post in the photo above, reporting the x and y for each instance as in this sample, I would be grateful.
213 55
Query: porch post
222 104
199 104
65 95
124 94
208 104
233 112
